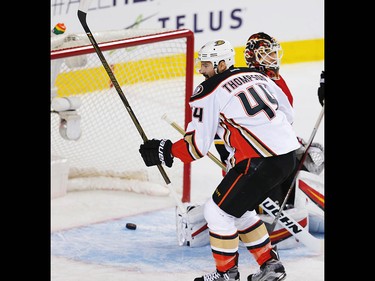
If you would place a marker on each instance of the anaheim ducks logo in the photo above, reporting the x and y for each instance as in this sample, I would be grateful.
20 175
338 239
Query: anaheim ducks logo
198 90
219 42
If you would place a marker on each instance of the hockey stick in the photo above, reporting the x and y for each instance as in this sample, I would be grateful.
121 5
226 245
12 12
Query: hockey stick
299 232
82 13
299 167
182 132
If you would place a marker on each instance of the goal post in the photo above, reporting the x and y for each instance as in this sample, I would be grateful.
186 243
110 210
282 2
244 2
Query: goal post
154 69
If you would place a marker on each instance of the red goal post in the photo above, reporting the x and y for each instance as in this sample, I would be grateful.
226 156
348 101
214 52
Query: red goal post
155 71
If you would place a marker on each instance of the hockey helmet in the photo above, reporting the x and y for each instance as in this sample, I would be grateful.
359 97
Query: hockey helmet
264 53
216 51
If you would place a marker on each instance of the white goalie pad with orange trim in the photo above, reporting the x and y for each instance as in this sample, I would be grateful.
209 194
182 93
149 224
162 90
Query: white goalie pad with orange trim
309 195
192 230
308 211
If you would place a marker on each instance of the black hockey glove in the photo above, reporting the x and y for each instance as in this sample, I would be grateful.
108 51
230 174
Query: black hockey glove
321 89
155 152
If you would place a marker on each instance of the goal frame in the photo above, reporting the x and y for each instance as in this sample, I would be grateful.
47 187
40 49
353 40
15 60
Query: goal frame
147 39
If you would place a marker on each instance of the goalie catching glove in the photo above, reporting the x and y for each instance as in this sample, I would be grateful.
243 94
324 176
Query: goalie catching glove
156 152
314 162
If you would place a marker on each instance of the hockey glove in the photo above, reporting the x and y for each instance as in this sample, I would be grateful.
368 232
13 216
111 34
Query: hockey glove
155 152
321 89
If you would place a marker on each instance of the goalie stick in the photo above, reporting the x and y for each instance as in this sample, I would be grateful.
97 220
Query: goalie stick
300 164
82 13
300 233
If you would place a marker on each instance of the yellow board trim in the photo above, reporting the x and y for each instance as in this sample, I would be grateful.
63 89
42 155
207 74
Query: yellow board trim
97 79
294 52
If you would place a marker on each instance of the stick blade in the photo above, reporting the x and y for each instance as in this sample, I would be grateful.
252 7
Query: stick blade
82 17
302 235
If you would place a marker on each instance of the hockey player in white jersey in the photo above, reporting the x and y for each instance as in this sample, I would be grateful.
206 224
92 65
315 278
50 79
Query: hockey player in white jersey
264 54
253 117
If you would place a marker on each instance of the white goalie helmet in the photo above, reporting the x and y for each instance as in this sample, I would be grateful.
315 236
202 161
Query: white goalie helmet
216 51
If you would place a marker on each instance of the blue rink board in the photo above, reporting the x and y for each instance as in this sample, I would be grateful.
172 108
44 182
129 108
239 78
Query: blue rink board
152 247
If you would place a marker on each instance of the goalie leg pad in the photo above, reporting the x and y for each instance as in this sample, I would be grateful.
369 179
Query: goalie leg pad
198 235
192 230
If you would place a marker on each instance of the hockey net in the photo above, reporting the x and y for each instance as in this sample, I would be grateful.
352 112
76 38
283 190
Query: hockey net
154 69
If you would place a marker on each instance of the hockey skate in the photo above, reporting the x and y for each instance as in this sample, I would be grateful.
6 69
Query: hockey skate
230 275
271 270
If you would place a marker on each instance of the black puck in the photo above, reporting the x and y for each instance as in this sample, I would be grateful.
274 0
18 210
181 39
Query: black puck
130 225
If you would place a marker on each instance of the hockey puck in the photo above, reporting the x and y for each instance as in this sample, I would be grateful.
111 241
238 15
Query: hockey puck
130 225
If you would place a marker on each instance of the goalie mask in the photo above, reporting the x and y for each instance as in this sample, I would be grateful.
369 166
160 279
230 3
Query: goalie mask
264 53
214 52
